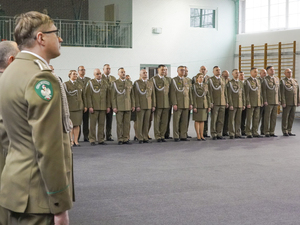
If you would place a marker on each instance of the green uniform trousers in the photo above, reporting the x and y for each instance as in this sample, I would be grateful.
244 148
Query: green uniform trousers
180 121
270 118
262 120
123 125
226 121
142 124
161 117
217 120
98 117
234 121
32 219
253 115
288 116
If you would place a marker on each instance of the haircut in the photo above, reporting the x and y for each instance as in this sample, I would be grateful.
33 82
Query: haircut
161 65
215 67
234 70
181 67
121 68
241 72
268 68
27 25
253 68
70 72
105 65
78 67
199 74
7 49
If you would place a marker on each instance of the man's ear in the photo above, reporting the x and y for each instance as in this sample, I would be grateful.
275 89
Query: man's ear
10 59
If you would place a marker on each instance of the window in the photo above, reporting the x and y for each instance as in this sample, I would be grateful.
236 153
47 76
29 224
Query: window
268 15
202 18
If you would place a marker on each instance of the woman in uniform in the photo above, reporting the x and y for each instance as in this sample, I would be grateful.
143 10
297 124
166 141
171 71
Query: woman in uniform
201 99
75 101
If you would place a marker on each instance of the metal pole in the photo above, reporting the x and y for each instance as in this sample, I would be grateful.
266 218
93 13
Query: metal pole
83 26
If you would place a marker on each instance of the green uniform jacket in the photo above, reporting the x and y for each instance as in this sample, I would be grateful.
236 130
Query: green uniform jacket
289 91
161 87
201 98
253 92
271 90
98 95
218 91
74 92
37 174
122 95
180 93
236 94
83 83
109 80
144 94
205 79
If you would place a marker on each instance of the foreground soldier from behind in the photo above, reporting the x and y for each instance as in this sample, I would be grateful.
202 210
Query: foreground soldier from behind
145 103
98 102
109 116
272 98
36 184
290 100
122 100
262 76
254 99
236 101
218 97
161 113
83 80
8 52
182 101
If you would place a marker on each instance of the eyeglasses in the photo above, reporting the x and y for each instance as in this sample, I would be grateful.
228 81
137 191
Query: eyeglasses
57 32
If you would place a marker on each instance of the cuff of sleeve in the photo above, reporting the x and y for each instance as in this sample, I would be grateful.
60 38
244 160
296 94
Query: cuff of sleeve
60 201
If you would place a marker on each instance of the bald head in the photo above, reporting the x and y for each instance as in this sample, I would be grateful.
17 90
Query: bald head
263 73
97 74
288 73
143 74
225 74
203 70
8 52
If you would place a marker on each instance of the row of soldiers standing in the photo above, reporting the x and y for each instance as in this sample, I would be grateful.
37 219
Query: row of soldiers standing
228 99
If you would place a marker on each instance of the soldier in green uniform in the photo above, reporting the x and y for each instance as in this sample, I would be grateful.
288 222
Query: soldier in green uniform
109 116
182 101
290 100
161 113
218 96
201 104
122 100
261 78
225 75
36 183
244 112
75 95
98 103
8 52
144 103
236 101
167 134
83 80
254 99
190 85
272 98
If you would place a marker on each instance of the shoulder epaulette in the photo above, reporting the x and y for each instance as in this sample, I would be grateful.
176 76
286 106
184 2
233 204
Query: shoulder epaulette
42 65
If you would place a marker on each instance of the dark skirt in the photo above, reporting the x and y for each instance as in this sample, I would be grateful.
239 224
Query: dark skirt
76 117
200 115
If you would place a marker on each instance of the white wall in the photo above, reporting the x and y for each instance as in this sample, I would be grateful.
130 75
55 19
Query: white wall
178 44
123 10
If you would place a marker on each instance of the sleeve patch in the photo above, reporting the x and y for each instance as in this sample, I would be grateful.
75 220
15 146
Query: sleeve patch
44 89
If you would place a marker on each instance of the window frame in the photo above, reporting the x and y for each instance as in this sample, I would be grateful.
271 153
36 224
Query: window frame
215 17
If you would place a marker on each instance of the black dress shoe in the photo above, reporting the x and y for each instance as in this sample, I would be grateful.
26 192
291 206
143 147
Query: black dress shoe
273 135
231 137
267 135
93 144
243 134
141 142
262 133
285 134
214 138
163 140
176 140
225 134
86 140
184 139
169 138
120 142
110 139
127 142
102 143
205 135
249 136
149 137
258 136
220 138
241 137
291 134
199 139
189 136
135 138
203 139
146 141
158 140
